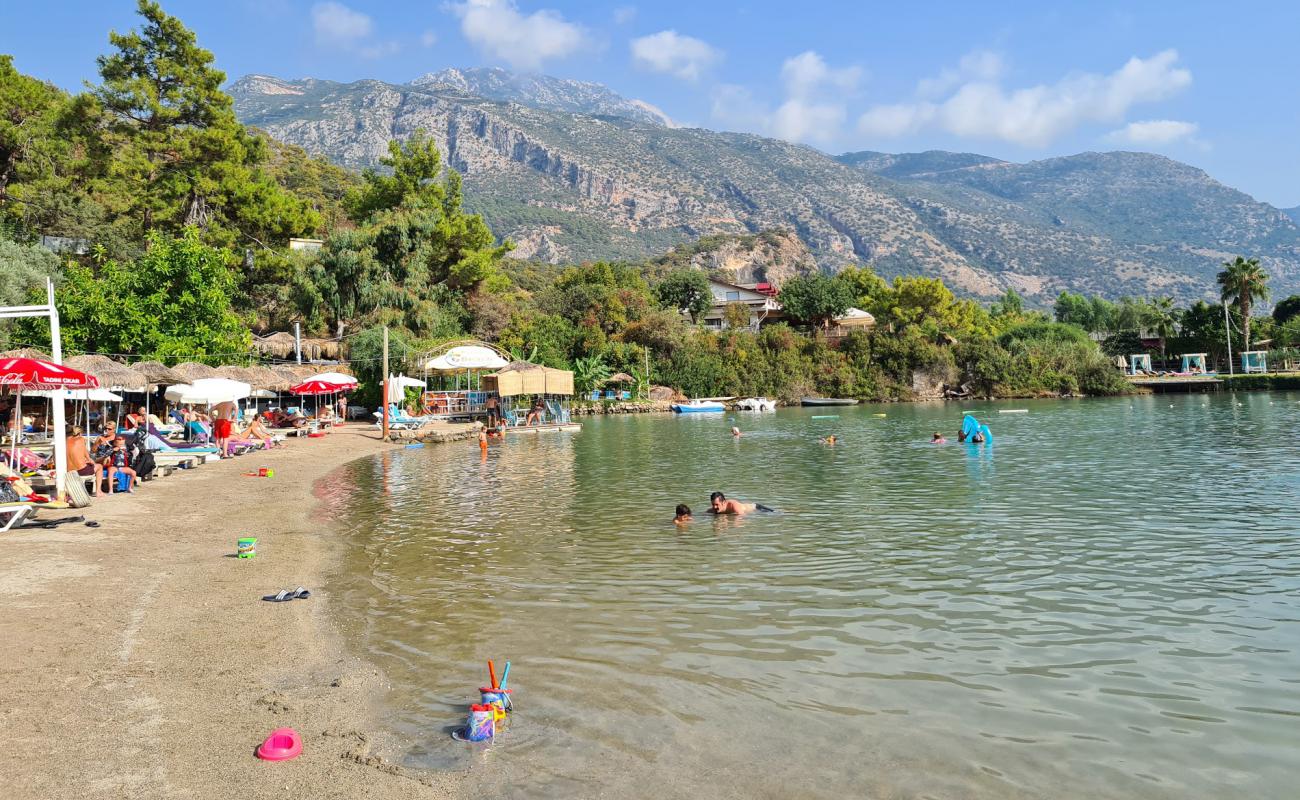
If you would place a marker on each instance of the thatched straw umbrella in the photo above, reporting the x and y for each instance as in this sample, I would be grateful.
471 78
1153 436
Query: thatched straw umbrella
25 352
277 345
193 371
232 372
157 374
260 377
111 374
620 377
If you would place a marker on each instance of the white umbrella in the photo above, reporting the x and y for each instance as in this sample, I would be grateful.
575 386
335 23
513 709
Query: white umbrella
208 391
467 357
397 385
335 377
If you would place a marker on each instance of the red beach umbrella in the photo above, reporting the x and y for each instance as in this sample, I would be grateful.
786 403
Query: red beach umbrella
37 375
317 387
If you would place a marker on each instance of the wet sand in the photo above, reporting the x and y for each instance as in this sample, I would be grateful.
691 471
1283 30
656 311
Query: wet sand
140 661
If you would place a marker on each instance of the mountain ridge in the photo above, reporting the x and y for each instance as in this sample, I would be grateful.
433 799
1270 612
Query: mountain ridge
571 184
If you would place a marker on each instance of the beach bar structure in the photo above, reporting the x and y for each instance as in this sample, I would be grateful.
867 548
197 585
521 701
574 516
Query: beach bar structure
461 363
1254 361
1194 363
521 385
1140 364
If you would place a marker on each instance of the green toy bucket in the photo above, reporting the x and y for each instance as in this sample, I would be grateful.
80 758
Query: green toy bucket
246 548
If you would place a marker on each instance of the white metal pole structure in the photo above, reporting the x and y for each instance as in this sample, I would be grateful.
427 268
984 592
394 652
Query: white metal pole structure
56 351
383 387
1227 332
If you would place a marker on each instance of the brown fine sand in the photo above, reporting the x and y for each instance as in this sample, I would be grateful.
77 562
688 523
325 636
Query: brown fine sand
139 661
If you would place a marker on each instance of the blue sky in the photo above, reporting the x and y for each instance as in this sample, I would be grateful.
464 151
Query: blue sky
1211 84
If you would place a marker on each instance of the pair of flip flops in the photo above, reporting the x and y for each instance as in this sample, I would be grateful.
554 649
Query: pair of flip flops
285 595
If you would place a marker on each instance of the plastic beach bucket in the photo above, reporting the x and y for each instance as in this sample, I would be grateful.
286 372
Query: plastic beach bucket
246 548
481 725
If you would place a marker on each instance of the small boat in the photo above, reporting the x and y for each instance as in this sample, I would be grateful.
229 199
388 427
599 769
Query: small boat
699 406
755 404
828 401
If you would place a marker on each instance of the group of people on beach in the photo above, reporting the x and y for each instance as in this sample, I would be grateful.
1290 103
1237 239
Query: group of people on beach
105 453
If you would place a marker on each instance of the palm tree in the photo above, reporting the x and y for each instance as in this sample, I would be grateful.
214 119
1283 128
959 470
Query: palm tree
1163 320
1243 282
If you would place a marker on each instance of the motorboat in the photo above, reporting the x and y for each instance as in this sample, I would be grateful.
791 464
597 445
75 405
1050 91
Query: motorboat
755 404
699 406
828 401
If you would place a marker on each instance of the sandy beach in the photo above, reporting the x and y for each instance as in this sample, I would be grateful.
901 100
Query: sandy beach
140 660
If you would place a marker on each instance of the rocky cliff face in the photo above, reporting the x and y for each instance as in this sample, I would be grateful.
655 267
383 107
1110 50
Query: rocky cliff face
592 185
769 257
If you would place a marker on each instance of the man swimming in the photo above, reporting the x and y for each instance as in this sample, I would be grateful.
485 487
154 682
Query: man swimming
683 514
719 504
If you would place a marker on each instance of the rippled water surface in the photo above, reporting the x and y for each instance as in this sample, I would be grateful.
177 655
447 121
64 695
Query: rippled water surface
1104 603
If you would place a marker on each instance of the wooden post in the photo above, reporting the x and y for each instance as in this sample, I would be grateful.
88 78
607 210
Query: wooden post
384 384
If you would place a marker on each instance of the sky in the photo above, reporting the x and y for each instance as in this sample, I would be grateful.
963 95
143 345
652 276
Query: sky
1210 84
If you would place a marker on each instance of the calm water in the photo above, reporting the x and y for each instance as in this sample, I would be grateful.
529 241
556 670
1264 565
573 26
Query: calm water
1105 603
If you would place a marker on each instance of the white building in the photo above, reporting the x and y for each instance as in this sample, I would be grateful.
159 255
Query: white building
759 298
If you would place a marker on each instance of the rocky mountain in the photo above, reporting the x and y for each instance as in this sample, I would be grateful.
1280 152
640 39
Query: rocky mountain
561 170
541 91
1293 213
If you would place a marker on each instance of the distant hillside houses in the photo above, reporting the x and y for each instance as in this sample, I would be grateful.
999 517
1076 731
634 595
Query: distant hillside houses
764 308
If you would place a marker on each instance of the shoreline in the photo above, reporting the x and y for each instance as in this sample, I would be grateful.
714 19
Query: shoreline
142 661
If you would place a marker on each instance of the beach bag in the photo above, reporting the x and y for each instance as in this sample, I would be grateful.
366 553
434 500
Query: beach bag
144 463
8 494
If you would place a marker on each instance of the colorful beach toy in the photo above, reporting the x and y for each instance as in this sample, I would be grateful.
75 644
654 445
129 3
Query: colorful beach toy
246 548
282 745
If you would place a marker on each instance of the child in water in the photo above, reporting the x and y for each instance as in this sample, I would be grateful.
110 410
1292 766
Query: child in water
827 439
938 439
735 431
683 514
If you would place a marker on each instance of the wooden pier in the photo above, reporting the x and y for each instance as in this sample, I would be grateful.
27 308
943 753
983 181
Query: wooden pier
1161 384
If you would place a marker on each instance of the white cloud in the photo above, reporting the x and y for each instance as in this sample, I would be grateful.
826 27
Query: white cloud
335 23
979 65
798 120
813 108
498 28
1154 131
340 27
428 39
670 52
807 74
1037 115
624 14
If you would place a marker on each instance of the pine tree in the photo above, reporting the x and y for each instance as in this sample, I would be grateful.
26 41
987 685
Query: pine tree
172 152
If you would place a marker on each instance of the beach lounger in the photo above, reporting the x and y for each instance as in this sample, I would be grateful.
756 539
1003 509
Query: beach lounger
12 514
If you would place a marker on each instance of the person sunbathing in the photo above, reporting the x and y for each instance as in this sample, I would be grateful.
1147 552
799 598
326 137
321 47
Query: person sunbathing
258 432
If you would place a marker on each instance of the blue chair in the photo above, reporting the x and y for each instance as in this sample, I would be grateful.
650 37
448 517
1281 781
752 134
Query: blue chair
610 395
595 394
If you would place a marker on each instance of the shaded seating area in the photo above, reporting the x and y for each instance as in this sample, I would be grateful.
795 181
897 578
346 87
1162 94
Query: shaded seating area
1254 361
531 395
